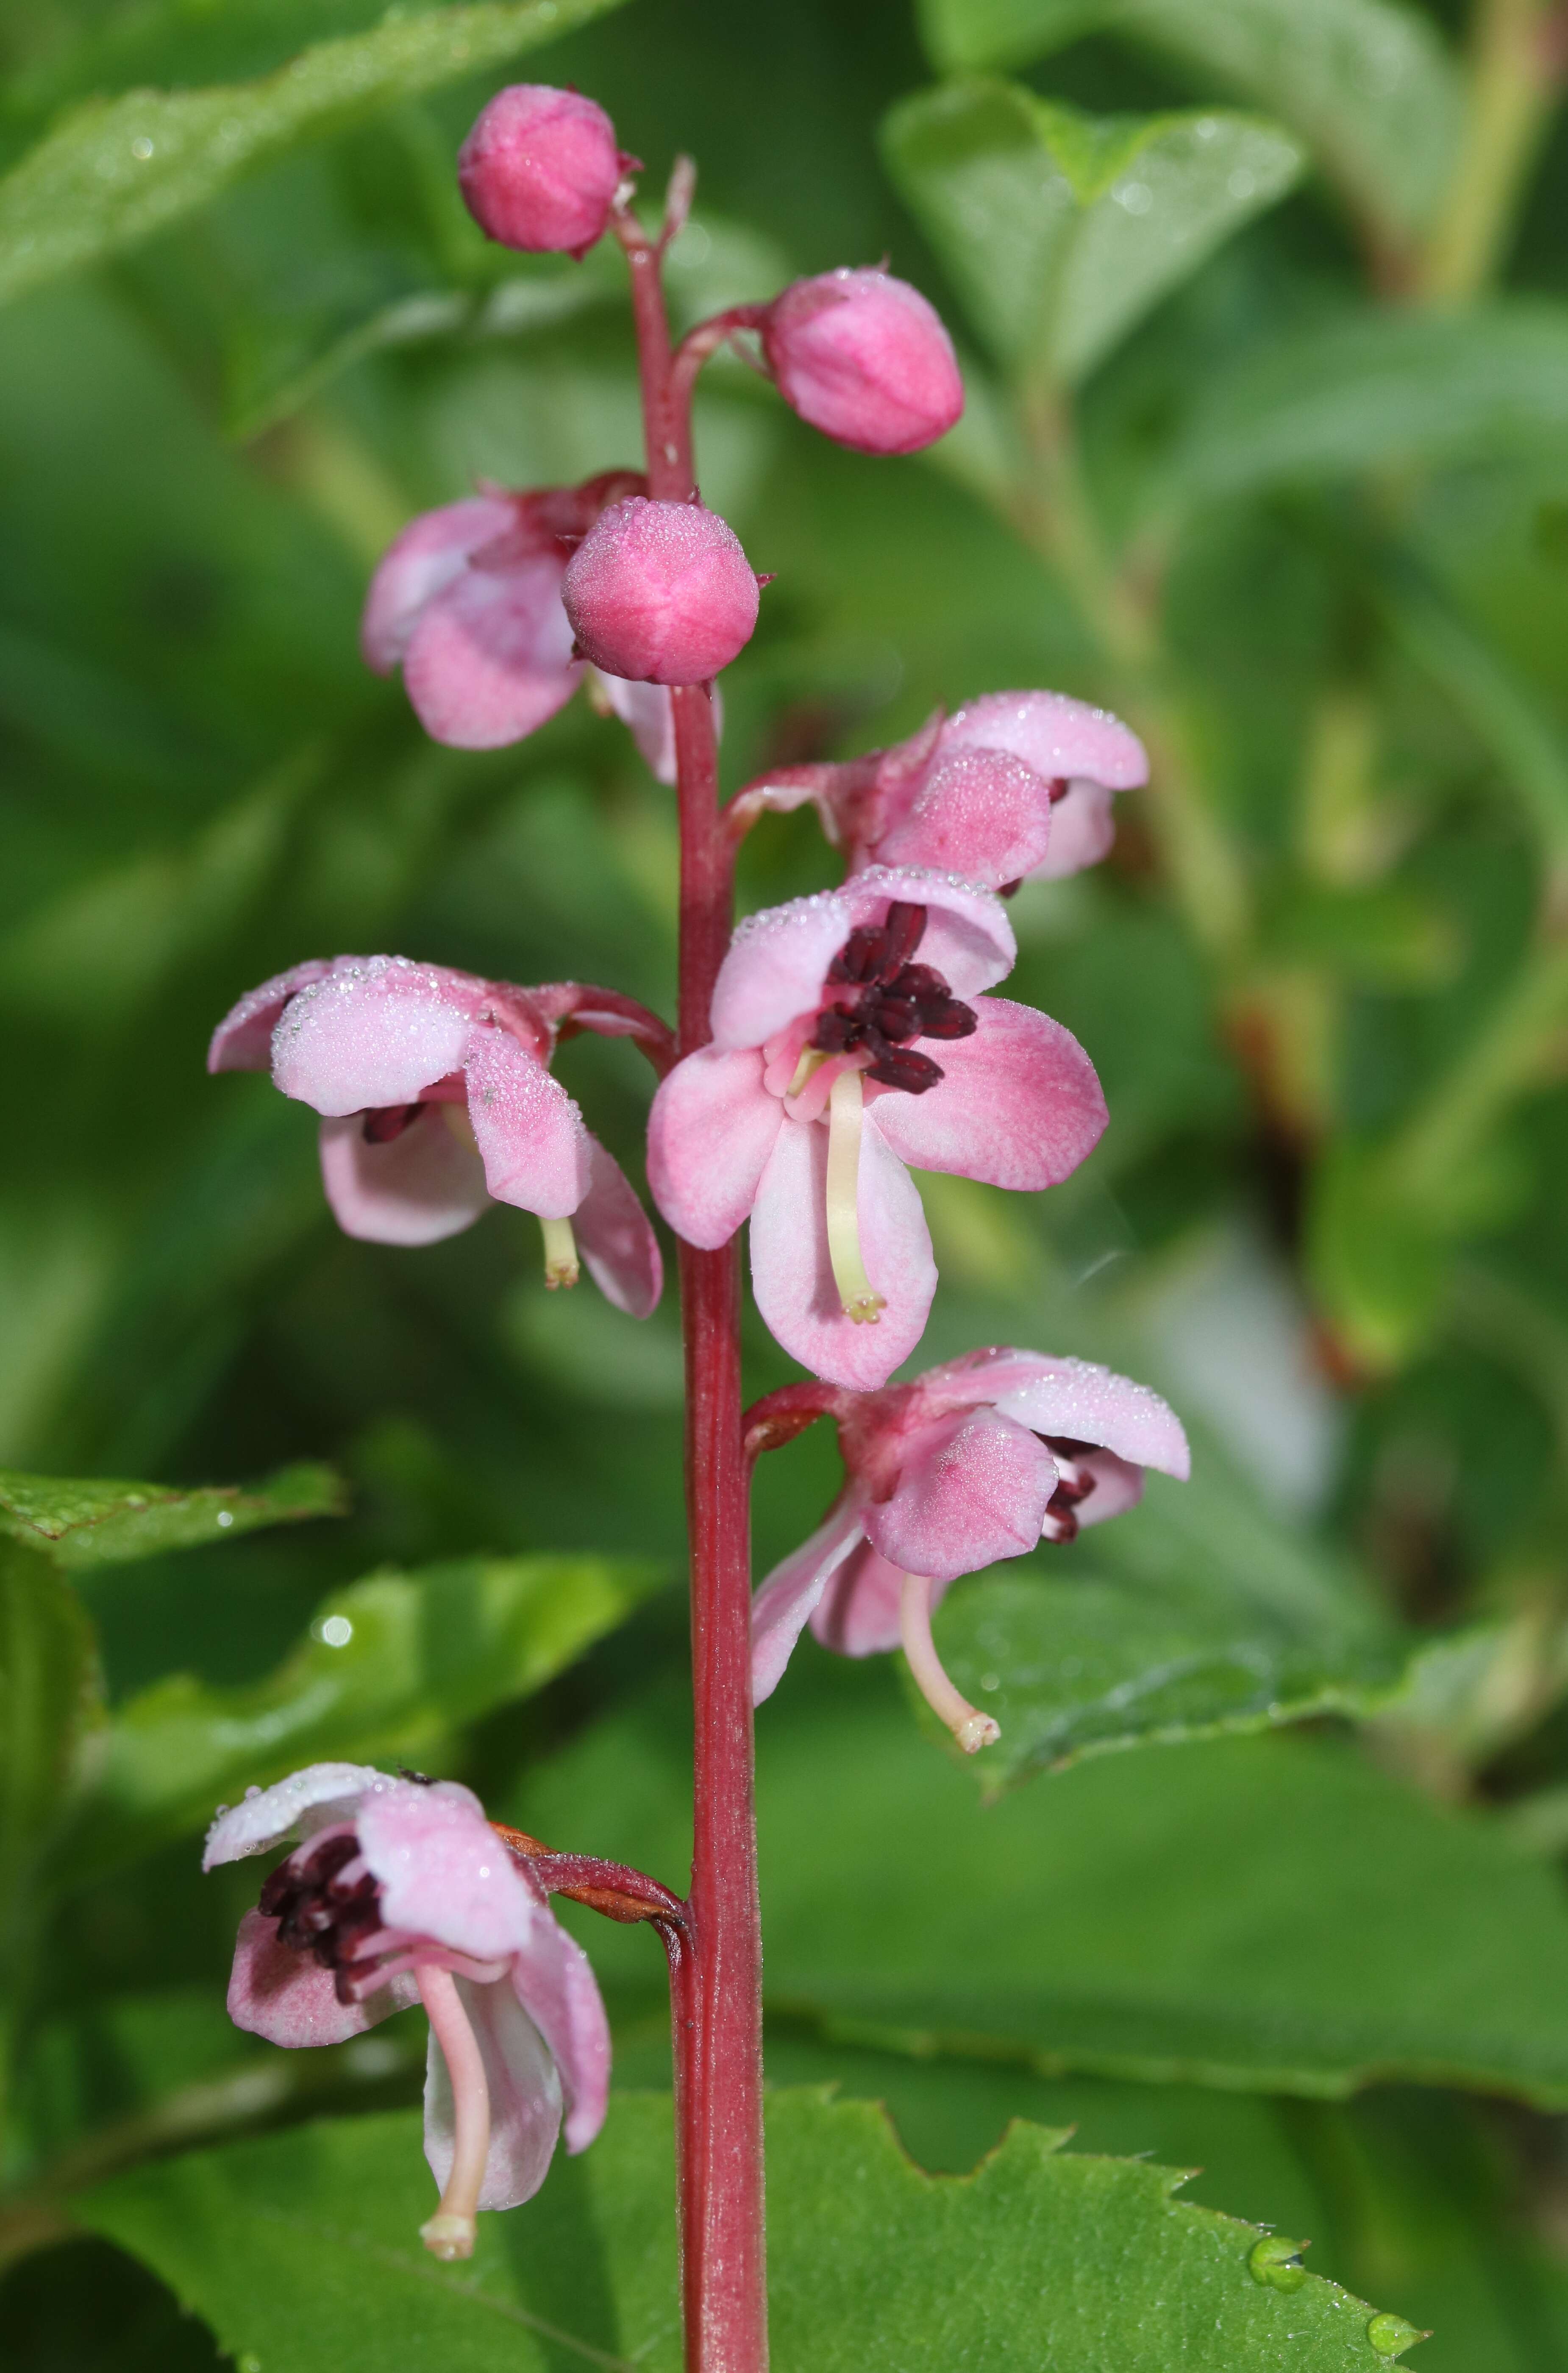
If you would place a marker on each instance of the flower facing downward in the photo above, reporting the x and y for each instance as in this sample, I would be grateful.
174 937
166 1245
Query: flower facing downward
864 358
400 1892
850 1037
976 1461
437 1099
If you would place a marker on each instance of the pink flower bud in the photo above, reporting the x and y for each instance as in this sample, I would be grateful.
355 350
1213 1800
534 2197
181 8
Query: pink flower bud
540 168
661 593
864 358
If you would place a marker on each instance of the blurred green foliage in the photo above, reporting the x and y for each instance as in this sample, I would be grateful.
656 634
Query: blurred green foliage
1264 318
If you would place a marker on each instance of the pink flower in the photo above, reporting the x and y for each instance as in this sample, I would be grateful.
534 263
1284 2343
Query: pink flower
864 358
399 1892
540 169
1017 786
467 600
435 1096
975 1461
823 1080
661 593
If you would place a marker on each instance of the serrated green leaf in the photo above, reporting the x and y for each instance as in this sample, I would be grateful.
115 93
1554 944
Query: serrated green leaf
86 1523
1368 83
1062 229
1043 2255
115 172
49 1696
389 1667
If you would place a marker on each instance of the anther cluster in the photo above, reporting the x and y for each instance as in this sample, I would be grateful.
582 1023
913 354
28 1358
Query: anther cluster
899 1000
323 1906
1074 1483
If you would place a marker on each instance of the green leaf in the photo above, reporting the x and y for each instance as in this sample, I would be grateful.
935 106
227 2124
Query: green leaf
301 2252
86 1523
1368 393
1265 1913
1062 229
1368 83
116 170
389 1667
48 1697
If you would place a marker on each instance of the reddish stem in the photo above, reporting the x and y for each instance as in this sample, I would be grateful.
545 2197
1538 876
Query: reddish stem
716 1979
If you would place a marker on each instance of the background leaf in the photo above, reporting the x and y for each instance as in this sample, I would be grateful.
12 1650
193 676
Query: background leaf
87 1524
47 1699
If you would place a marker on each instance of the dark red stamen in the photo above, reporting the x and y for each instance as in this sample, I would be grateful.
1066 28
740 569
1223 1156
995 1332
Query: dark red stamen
1074 1484
387 1121
899 1000
316 1913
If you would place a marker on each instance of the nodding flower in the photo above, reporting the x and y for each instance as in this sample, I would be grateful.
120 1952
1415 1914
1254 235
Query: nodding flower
851 1035
975 1461
864 358
436 1100
399 1892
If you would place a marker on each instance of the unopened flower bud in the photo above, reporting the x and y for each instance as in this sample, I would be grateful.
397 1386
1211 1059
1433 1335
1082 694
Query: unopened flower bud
864 358
540 168
661 593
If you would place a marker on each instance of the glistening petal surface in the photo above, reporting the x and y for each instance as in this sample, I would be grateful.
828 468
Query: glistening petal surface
490 658
974 1489
1084 1402
530 1134
557 1989
306 1800
1020 1106
288 1997
793 1277
417 1189
968 937
1055 734
373 1034
443 1872
982 814
416 565
712 1127
242 1041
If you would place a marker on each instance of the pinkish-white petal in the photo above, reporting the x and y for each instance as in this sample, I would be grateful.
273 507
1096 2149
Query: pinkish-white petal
1118 1485
648 714
242 1041
711 1130
790 1593
1082 831
1020 1105
557 1989
1057 736
525 2096
968 937
777 966
1080 1401
490 657
791 1274
619 1246
974 1489
857 1613
373 1034
443 1872
295 1808
431 551
530 1134
982 814
416 1188
290 1999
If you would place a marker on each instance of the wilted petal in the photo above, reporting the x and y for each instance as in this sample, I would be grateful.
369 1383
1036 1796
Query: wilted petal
982 814
443 1872
431 551
525 2096
490 658
373 1034
290 1999
857 1613
305 1801
415 1189
557 1989
1080 1401
792 1276
711 1130
242 1041
530 1134
792 1590
974 1489
1057 736
1020 1105
619 1246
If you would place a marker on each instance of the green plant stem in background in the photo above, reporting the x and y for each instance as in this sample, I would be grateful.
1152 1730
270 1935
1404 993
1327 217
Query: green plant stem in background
1518 50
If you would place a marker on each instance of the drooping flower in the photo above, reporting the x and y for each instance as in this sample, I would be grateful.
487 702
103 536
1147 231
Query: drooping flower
437 1099
864 358
540 169
467 600
1017 785
823 1080
976 1461
400 1892
661 593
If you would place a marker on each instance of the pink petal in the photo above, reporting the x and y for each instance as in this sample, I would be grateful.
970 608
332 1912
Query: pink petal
974 1489
619 1249
1082 831
978 812
242 1041
858 1615
968 937
777 966
291 2000
711 1130
305 1801
648 712
1057 736
490 658
1118 1487
414 1190
792 1278
373 1033
431 551
525 2096
791 1591
1020 1106
1083 1402
535 1149
443 1872
556 1988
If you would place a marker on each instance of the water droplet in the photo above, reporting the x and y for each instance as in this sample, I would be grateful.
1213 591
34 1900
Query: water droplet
1241 183
336 1631
991 1681
226 1517
1391 2335
1136 196
142 146
135 1500
1276 2262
